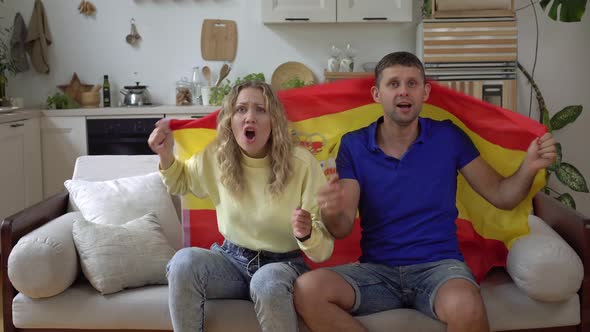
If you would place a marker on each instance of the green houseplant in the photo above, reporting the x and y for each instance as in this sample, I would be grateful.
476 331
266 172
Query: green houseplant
218 92
6 63
566 173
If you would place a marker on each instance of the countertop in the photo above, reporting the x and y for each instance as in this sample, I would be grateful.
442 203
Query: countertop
27 113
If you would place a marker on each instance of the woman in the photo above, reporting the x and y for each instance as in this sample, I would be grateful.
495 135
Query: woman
264 190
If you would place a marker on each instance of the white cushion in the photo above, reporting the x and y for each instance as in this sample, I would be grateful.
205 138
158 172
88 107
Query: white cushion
120 200
44 263
543 265
114 257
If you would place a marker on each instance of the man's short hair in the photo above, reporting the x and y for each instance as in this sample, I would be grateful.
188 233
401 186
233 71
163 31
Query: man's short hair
401 58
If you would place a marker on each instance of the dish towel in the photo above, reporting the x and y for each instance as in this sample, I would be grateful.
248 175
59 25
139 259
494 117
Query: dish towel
17 44
39 38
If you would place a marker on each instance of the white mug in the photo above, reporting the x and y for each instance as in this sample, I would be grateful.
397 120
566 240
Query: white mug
206 94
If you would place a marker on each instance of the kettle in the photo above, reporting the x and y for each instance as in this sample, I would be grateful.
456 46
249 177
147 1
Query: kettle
135 95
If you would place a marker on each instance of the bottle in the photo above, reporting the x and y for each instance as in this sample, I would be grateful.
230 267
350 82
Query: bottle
196 81
106 92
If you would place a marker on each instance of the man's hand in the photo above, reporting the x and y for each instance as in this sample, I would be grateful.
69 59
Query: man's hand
541 153
301 223
331 198
161 141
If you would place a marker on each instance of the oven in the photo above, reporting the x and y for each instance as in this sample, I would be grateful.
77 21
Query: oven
119 135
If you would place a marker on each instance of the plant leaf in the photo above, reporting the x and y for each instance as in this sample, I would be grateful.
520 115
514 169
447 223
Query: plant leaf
571 177
553 167
569 10
567 199
567 115
545 119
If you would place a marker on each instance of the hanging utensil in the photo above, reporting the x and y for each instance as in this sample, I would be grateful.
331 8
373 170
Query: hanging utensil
225 69
207 74
133 37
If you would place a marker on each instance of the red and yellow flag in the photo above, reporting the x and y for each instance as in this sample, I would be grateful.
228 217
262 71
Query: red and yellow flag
321 114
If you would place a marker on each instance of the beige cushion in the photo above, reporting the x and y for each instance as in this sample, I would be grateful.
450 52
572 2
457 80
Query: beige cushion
43 263
114 257
543 265
120 200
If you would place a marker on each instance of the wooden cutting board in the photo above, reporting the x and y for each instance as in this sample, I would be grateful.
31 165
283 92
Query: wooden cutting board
219 39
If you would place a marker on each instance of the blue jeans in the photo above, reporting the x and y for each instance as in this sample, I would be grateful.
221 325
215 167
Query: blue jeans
380 287
232 272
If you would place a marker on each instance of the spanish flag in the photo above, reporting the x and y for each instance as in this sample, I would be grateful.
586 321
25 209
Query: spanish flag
321 114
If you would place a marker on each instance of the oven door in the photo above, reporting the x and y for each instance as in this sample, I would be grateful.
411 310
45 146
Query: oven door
119 136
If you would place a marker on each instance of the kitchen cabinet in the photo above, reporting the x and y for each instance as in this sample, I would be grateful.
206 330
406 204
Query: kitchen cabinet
63 140
294 11
184 116
331 11
20 170
374 11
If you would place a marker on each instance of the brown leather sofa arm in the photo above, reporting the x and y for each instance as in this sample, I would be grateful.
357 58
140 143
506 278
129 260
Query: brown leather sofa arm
17 226
575 230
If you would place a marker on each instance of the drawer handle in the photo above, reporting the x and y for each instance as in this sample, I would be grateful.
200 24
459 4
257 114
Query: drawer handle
17 125
296 19
375 18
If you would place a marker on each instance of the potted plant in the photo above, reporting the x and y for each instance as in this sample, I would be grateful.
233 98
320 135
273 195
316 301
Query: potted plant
566 173
6 63
60 101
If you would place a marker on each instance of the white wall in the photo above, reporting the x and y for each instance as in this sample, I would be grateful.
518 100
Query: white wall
562 73
171 47
171 32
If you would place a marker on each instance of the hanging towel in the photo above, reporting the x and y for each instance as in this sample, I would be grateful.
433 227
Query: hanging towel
38 39
17 44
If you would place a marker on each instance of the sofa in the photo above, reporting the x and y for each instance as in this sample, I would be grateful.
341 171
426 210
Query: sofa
33 238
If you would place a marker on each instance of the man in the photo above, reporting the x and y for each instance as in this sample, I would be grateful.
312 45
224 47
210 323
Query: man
401 174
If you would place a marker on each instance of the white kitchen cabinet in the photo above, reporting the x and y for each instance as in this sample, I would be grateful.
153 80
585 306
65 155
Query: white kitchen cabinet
184 116
341 11
374 11
63 140
293 11
20 169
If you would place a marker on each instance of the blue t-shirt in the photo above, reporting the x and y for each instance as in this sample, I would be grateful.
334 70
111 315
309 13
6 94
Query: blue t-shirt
407 206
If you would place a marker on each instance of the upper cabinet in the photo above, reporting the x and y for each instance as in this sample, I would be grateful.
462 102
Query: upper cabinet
288 11
374 11
330 11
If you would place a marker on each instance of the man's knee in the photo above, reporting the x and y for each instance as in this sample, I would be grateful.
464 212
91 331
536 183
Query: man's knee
459 300
314 289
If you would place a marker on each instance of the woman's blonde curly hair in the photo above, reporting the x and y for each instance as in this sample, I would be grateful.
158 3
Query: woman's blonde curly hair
280 142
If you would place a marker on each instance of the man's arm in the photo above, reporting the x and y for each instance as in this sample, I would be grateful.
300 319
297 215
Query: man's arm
338 201
507 193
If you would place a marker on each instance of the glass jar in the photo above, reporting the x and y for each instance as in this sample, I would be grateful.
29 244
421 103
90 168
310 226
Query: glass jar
184 92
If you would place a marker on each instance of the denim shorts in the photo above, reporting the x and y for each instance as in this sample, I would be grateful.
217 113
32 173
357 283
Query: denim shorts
379 287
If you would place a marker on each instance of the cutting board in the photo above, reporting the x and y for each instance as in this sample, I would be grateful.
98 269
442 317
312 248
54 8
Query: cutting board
219 39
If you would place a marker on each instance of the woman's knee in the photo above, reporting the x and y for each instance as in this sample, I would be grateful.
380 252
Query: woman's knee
275 279
184 262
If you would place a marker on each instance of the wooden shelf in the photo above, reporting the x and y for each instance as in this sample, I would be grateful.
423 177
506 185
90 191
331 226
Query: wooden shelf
330 76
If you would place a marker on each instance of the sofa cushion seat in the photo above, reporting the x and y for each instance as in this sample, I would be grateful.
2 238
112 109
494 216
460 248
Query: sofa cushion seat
509 308
147 308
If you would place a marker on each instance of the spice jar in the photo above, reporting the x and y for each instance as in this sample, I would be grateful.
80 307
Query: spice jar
184 92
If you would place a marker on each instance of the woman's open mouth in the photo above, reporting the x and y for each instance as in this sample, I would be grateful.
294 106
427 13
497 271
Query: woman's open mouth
250 135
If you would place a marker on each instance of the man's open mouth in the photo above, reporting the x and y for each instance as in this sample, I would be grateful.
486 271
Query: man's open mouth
404 105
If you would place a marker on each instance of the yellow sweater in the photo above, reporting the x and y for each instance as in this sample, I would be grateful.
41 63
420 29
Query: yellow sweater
255 220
